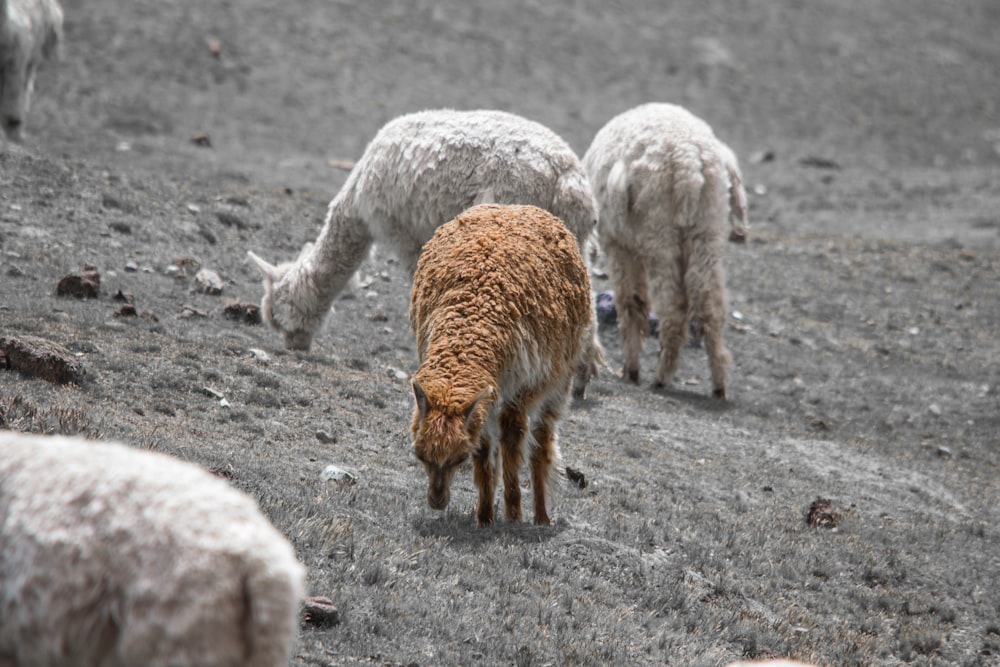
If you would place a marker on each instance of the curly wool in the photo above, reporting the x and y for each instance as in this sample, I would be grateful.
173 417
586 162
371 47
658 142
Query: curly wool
419 171
116 557
667 189
501 310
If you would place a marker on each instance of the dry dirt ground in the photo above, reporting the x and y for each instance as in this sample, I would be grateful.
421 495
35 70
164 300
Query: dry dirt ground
865 324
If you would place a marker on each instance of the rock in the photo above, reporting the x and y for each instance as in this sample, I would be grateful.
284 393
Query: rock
202 140
131 267
261 356
325 437
123 297
208 281
191 311
606 312
332 473
84 285
76 286
232 220
576 477
822 515
41 358
817 162
127 310
319 612
247 313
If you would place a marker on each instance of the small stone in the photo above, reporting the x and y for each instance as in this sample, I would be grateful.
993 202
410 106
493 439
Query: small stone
209 281
759 157
944 452
822 515
261 356
131 267
817 162
127 310
320 612
76 286
934 409
191 311
576 477
123 297
606 312
334 474
247 313
231 220
325 437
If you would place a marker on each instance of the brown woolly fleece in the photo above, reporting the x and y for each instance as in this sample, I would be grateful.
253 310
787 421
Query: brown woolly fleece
500 308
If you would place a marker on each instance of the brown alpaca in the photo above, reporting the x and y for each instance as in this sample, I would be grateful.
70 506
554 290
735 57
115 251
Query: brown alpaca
500 309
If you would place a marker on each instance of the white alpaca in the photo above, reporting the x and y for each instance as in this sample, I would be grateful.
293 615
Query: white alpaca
30 32
669 193
501 309
116 557
418 172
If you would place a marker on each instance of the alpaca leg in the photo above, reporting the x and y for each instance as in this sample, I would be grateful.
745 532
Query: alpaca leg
632 301
672 308
543 456
513 426
708 294
484 473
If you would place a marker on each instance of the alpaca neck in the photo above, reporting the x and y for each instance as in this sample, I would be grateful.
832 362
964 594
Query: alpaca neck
341 247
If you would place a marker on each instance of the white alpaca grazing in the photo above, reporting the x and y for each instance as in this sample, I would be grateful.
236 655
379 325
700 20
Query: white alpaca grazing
418 172
669 193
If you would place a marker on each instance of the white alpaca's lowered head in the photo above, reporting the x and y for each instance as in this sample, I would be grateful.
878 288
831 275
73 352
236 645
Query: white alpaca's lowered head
285 304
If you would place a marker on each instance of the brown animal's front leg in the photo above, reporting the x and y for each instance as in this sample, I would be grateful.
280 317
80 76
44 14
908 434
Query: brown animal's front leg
542 458
513 425
485 474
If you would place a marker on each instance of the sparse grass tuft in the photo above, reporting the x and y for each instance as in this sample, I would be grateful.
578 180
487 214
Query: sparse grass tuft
19 414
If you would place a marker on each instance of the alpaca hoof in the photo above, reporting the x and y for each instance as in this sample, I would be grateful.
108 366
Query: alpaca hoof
632 376
720 394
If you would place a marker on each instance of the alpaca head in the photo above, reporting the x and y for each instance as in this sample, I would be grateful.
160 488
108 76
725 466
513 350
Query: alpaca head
444 438
283 303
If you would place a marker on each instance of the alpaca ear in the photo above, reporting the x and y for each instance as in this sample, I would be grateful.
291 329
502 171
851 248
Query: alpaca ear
471 410
269 271
422 405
